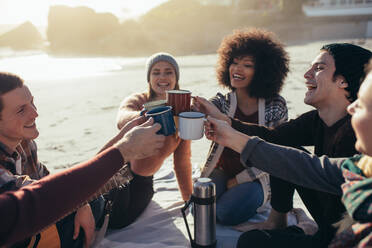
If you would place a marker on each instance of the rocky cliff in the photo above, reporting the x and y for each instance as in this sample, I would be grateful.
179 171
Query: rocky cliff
23 37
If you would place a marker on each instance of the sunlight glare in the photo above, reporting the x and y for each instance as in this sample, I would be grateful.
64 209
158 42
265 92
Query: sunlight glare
36 11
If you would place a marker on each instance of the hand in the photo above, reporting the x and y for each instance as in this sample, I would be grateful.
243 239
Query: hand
218 131
222 133
141 141
231 183
84 219
201 104
131 124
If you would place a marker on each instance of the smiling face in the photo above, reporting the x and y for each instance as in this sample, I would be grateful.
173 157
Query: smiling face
162 78
18 117
241 71
322 86
361 111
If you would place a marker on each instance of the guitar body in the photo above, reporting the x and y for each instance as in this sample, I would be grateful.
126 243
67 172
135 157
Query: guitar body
49 238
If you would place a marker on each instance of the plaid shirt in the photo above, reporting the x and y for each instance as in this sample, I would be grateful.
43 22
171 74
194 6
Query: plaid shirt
21 167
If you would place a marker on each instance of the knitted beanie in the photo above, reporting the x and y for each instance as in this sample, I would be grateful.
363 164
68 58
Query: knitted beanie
161 57
349 61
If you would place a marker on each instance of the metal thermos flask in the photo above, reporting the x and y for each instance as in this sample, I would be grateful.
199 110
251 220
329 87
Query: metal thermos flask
203 200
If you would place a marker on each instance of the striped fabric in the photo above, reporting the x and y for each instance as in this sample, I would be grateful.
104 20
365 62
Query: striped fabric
275 112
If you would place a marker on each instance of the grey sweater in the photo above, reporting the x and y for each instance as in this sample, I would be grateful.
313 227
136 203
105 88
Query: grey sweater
293 165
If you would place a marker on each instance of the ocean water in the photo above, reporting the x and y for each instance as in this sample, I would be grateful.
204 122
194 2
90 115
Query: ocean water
78 98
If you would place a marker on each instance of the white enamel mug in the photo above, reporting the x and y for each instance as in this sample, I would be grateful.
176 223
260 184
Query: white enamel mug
191 125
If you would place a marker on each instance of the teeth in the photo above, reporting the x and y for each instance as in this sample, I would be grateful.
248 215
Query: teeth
237 76
311 86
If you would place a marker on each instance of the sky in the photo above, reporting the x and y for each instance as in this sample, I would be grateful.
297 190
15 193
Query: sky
36 11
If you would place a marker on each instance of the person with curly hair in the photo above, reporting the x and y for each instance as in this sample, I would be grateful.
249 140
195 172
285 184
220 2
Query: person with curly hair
253 65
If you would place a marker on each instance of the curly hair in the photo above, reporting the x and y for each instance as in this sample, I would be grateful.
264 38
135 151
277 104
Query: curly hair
270 59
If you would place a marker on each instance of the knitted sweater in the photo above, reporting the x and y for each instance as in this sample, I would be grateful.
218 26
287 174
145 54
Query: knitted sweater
271 112
181 149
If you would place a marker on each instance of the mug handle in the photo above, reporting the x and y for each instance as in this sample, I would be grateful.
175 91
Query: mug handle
143 112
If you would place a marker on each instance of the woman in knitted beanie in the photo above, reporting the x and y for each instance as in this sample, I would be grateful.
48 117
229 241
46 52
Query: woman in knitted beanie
253 65
162 75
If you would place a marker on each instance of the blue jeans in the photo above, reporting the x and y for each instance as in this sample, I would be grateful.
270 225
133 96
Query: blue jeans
238 204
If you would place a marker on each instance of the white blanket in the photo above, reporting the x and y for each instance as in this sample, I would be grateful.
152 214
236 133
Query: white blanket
162 224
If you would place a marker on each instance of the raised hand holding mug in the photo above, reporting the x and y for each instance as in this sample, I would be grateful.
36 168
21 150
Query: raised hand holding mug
164 116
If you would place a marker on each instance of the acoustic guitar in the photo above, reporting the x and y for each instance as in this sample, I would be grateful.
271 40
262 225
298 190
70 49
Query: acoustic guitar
49 237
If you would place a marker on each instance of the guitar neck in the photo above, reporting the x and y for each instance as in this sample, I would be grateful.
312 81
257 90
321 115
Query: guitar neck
120 179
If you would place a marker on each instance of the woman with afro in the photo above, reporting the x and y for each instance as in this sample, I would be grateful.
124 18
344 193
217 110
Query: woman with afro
253 65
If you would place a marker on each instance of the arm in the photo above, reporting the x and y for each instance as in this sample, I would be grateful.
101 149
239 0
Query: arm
183 168
296 166
296 132
286 163
59 189
54 196
130 109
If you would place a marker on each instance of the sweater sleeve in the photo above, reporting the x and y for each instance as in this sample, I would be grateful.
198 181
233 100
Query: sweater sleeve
296 132
130 108
28 210
183 168
298 167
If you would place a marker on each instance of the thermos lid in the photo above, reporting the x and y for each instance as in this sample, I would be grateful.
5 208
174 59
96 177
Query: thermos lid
204 188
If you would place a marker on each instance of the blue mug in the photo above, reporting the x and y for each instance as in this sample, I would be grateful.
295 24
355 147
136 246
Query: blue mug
164 116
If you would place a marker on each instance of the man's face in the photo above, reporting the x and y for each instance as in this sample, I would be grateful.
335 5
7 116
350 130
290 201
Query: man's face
320 81
18 116
361 111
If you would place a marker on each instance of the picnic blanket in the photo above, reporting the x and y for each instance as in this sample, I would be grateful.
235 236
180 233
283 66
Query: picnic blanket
162 224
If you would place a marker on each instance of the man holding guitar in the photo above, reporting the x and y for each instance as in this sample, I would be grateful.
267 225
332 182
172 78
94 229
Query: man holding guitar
19 165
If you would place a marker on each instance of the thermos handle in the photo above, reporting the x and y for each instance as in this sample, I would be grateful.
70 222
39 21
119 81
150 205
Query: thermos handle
187 205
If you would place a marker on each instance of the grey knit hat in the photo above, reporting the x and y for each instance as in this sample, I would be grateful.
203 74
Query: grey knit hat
161 57
349 61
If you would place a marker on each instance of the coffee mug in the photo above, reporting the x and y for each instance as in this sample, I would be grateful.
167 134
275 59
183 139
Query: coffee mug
180 100
191 125
164 116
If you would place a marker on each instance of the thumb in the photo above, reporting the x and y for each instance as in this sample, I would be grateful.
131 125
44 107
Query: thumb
212 120
148 123
76 229
201 100
140 120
